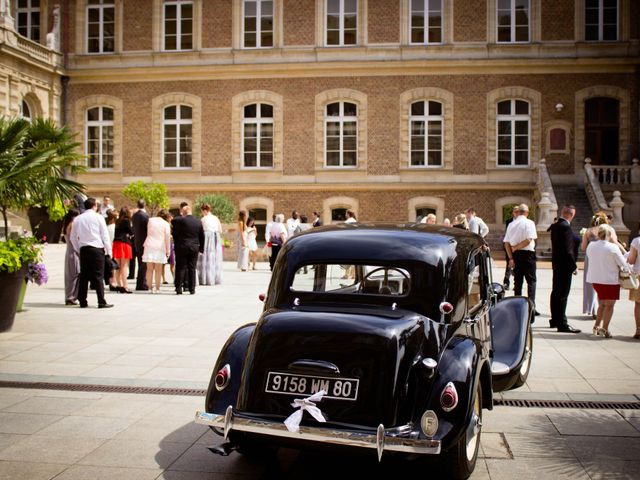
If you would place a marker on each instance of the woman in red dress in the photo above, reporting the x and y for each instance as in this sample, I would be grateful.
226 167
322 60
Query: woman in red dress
122 250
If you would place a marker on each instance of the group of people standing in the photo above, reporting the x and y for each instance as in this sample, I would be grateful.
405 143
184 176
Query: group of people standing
192 247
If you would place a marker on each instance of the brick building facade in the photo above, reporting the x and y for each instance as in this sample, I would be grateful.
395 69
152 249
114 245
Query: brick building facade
388 107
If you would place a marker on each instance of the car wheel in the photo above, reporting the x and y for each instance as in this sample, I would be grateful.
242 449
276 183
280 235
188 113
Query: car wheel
526 361
460 460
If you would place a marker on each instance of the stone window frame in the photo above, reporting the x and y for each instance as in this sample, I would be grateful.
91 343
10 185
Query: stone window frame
238 103
436 203
624 121
624 8
238 26
512 118
178 122
101 124
42 10
328 204
510 200
446 98
535 102
81 107
553 125
157 21
321 24
341 95
405 24
81 43
258 121
535 27
158 105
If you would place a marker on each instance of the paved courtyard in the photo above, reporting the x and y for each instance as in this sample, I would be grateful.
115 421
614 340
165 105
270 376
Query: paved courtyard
173 341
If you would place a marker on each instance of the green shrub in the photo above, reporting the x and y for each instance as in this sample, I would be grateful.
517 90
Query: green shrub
221 206
154 194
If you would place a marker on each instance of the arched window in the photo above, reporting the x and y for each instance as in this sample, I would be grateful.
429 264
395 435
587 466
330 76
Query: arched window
513 126
259 216
341 134
257 135
99 138
422 212
177 136
426 119
338 214
25 110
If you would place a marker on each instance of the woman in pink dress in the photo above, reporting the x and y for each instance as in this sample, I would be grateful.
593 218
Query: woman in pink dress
157 248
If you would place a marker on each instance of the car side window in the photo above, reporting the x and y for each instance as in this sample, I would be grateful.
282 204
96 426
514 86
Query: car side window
476 288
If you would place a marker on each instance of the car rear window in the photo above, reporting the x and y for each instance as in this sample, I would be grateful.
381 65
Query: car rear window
352 279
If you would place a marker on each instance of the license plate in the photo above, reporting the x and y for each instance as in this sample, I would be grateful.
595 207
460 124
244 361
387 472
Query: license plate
306 385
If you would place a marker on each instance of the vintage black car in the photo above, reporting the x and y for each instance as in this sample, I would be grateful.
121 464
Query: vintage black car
384 337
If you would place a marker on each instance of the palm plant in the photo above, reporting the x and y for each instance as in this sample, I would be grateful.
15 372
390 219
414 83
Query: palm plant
35 159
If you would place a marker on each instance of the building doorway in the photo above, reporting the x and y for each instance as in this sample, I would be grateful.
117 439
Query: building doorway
422 212
602 130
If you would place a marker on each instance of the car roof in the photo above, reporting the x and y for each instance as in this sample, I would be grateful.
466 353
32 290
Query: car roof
382 242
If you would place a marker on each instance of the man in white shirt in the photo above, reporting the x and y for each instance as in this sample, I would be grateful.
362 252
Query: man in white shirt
90 237
106 206
292 223
476 224
519 242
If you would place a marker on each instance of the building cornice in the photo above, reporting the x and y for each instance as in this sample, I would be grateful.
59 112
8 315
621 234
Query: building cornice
125 74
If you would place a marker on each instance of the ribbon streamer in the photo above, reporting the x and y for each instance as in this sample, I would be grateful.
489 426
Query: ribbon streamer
293 421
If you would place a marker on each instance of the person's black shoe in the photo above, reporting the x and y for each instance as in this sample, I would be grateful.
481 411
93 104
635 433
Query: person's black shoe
552 324
536 313
70 302
192 292
84 305
142 289
568 329
178 292
113 288
105 305
131 277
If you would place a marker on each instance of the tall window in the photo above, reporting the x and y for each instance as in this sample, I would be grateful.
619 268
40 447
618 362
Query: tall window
100 26
178 25
426 21
513 133
342 22
257 135
426 134
258 23
25 110
99 137
28 19
177 136
601 20
341 134
513 21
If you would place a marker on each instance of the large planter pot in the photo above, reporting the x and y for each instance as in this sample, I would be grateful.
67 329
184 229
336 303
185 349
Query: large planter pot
42 227
10 286
23 292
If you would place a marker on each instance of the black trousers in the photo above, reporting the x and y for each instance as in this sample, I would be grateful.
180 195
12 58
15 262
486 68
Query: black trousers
132 263
508 271
524 269
275 249
186 263
141 279
559 295
91 270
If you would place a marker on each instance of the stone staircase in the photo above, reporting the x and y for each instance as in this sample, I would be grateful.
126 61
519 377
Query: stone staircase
575 195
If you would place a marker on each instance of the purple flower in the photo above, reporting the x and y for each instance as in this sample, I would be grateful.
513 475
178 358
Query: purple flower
37 273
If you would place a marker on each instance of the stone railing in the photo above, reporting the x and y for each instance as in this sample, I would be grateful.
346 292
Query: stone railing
547 205
34 49
596 197
616 174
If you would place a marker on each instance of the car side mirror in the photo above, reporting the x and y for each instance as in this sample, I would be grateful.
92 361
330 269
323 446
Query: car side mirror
261 297
497 290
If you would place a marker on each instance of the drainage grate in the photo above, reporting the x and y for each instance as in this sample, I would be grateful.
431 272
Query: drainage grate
78 387
198 392
566 404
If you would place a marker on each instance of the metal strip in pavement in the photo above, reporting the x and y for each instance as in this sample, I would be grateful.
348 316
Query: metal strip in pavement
200 392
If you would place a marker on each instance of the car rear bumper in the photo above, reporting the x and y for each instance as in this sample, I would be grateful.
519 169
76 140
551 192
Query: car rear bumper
381 441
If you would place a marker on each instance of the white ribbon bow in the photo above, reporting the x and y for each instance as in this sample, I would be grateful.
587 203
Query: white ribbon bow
293 421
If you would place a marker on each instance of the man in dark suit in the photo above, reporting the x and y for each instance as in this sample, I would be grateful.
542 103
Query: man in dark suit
563 261
140 220
188 238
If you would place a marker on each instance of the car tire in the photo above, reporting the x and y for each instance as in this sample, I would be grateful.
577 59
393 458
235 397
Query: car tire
460 460
523 374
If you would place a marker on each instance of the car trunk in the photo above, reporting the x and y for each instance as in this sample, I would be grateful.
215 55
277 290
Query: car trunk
375 346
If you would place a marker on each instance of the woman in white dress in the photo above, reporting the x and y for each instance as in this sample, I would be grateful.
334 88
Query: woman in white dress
243 246
252 233
157 248
209 261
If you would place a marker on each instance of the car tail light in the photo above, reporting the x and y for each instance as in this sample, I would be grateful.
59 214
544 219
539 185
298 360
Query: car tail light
446 308
449 397
223 377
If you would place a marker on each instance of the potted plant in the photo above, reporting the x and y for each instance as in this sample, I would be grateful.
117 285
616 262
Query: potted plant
36 271
35 159
46 222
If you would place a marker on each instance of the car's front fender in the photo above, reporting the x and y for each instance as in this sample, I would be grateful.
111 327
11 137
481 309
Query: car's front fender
233 353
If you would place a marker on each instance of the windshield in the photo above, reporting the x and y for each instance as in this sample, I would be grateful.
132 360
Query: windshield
352 279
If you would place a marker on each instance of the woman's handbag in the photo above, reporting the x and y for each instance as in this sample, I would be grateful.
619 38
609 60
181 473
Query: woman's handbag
629 280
